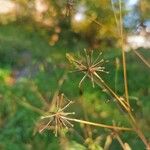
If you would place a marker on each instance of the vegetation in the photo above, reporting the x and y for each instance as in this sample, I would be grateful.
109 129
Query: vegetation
70 86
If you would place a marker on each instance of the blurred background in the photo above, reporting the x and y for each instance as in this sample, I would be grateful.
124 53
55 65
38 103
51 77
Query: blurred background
35 36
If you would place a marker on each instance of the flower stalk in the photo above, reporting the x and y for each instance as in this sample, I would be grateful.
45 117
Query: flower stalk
95 77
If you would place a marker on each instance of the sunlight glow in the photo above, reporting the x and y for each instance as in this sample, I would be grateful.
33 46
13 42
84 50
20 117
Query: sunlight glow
132 2
137 41
79 17
6 6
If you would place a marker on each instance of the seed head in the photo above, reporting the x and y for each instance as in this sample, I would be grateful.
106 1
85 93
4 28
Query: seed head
88 65
57 120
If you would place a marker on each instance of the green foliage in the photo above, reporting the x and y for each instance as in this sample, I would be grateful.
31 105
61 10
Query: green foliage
30 71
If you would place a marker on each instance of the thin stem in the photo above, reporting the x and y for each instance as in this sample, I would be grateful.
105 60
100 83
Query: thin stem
98 124
138 130
124 105
45 126
135 125
108 142
48 116
62 109
39 94
142 58
101 25
120 142
95 21
116 72
115 16
31 107
123 55
88 131
82 79
60 83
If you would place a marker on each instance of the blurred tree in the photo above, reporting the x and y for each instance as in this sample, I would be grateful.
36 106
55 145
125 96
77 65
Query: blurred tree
98 25
144 8
92 20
